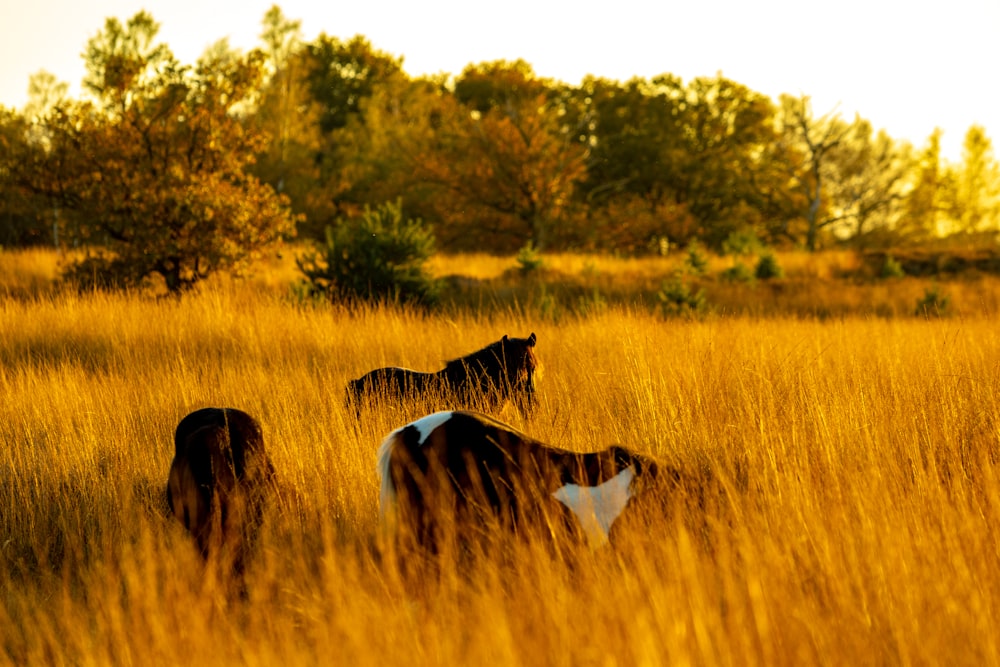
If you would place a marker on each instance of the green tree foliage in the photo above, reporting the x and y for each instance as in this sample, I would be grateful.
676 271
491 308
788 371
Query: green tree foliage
934 303
677 300
511 168
342 74
977 185
768 267
24 219
500 85
847 182
728 183
379 256
155 167
45 92
695 260
815 140
381 149
286 113
927 206
340 77
529 260
867 182
891 268
636 159
680 161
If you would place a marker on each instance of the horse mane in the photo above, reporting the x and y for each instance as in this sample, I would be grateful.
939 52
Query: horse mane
489 358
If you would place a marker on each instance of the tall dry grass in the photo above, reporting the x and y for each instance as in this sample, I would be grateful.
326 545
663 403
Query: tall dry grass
858 458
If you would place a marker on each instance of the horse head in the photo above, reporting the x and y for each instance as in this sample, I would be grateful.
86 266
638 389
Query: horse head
520 364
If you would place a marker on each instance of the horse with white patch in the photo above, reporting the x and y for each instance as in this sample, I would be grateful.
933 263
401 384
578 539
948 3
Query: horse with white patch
455 475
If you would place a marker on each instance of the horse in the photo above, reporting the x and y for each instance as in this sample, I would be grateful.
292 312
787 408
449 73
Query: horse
502 371
453 475
219 480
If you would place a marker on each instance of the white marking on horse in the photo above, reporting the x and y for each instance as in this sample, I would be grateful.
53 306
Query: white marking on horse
425 426
597 507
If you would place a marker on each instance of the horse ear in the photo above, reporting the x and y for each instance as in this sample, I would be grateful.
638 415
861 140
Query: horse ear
531 339
504 339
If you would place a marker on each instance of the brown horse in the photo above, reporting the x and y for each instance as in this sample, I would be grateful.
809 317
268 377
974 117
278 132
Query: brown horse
502 371
219 480
451 475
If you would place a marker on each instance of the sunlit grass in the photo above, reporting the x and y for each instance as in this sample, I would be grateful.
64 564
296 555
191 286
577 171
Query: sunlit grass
858 457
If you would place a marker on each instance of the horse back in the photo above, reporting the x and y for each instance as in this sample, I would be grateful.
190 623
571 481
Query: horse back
202 482
244 434
219 476
390 381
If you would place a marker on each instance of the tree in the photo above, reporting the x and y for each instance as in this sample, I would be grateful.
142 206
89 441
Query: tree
381 149
343 74
155 167
680 161
977 184
815 139
45 92
865 189
506 162
24 218
634 137
727 182
926 209
286 112
281 98
338 77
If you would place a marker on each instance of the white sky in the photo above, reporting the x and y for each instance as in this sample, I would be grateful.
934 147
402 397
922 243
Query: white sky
908 67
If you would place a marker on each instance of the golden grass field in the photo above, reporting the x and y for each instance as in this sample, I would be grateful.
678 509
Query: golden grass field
858 453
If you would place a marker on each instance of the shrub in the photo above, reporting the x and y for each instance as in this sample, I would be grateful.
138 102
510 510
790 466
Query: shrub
528 259
377 257
892 268
768 267
696 261
738 273
676 299
933 303
740 243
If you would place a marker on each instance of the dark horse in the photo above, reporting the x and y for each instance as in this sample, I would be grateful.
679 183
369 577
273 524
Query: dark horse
219 480
451 475
502 371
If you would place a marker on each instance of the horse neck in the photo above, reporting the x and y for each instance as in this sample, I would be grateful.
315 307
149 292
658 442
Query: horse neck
472 366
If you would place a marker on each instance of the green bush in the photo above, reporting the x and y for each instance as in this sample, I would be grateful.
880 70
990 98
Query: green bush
696 261
741 243
738 273
528 259
892 268
676 299
933 303
768 267
377 257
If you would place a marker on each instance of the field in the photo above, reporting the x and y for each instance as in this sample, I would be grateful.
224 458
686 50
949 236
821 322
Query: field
856 446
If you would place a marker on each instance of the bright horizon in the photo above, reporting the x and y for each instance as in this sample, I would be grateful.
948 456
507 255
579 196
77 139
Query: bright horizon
904 68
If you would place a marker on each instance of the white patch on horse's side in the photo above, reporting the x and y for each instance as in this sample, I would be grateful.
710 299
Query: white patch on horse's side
425 426
597 507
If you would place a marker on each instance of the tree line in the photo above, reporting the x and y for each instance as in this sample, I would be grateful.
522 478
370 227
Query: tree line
180 170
